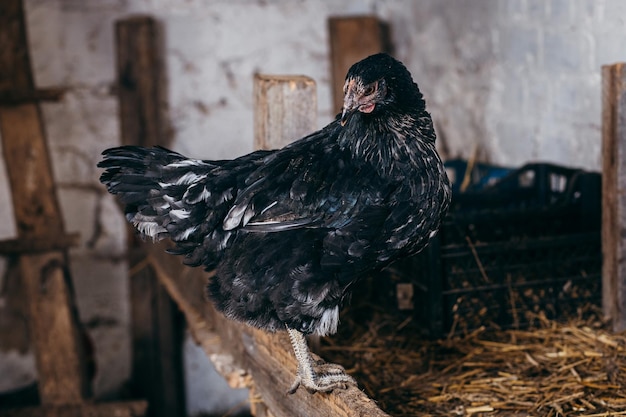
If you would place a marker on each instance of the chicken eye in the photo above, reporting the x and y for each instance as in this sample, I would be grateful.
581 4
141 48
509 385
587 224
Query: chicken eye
369 90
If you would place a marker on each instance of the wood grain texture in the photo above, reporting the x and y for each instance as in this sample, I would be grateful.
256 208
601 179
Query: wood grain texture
53 329
117 409
157 372
53 321
285 109
351 40
141 81
614 193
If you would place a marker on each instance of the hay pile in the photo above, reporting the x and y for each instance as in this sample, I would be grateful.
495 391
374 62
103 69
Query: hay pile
576 368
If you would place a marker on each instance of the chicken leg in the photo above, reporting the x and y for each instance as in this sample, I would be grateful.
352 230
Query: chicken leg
315 377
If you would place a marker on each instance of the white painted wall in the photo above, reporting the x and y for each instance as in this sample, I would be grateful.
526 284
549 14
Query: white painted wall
519 79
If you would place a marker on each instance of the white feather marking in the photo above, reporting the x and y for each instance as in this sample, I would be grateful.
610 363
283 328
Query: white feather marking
151 229
329 322
185 235
225 196
189 178
204 195
180 214
186 163
269 207
248 214
224 241
233 218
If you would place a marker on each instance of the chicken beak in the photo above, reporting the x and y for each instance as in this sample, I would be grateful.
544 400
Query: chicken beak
350 104
345 115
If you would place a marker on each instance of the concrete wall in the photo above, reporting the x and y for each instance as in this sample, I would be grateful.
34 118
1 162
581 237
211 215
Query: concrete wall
517 79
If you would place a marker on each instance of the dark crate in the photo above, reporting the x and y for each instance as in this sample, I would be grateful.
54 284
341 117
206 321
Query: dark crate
528 243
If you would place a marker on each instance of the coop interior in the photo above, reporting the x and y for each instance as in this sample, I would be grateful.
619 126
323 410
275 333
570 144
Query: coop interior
515 308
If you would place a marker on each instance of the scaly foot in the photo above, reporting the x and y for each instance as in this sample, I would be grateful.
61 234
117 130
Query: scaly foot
315 377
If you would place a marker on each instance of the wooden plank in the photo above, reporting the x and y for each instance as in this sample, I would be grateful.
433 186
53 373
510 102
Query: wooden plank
351 40
25 151
118 409
53 322
39 245
285 109
141 81
157 373
614 193
157 337
53 329
41 94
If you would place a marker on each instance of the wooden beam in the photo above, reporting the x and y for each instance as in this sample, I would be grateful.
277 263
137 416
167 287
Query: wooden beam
141 81
351 40
39 245
285 109
10 98
119 409
157 372
614 193
53 322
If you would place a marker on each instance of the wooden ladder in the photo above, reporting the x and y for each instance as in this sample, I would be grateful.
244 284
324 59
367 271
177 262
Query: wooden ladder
42 244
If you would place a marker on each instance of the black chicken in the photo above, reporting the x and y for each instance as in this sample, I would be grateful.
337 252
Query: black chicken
290 231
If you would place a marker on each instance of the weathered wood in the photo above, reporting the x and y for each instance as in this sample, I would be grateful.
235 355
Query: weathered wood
267 358
285 109
119 409
614 193
141 81
10 98
157 373
53 329
157 342
25 151
352 39
39 244
53 322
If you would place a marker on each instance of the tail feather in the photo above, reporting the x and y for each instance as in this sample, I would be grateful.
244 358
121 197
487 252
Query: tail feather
151 182
170 196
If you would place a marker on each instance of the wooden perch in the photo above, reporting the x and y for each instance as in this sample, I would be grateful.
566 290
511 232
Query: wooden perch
614 193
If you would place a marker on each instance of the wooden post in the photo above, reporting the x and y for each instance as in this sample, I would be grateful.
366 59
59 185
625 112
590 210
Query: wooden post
614 193
53 322
157 373
352 39
285 109
141 82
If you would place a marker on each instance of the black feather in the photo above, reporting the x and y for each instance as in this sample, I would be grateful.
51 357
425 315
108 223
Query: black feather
289 231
